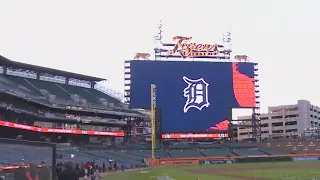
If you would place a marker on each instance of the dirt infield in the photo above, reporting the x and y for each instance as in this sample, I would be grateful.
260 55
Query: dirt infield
224 171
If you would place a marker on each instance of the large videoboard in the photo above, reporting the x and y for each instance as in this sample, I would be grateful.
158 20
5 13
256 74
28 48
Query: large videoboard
194 97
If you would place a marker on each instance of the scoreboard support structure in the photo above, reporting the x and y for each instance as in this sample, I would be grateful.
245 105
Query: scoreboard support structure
256 120
127 82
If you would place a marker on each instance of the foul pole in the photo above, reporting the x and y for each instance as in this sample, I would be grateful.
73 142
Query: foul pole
153 117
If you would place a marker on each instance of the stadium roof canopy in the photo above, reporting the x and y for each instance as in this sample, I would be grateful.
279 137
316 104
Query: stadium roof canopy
6 62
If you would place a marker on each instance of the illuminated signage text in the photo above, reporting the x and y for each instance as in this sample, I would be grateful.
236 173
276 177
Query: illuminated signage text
189 50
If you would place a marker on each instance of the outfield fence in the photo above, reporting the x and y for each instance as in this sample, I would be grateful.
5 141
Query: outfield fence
233 159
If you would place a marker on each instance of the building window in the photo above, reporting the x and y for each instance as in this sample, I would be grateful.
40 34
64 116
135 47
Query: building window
276 117
291 116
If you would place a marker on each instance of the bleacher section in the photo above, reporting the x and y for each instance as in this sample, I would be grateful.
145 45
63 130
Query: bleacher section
294 146
133 154
139 146
42 89
15 154
248 152
18 84
79 157
118 156
148 153
52 88
238 145
208 146
180 146
274 151
185 153
216 152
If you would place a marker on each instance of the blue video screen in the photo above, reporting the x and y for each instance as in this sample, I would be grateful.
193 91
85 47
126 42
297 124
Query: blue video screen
194 97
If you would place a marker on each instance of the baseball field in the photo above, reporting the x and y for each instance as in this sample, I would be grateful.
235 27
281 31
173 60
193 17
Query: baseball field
242 171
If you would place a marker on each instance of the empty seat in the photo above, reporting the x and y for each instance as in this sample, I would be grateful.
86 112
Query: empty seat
274 151
185 153
18 84
99 95
205 146
216 152
82 92
180 146
117 158
14 154
248 152
125 154
239 145
51 87
140 146
32 88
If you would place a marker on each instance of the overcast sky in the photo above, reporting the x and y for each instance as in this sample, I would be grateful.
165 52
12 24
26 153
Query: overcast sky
95 37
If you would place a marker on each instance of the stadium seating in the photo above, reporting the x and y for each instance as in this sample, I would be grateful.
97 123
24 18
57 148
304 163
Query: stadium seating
180 146
216 152
185 153
14 154
111 155
274 151
208 146
248 152
125 154
52 88
18 84
99 95
63 93
79 157
238 145
139 146
296 146
148 154
120 146
133 155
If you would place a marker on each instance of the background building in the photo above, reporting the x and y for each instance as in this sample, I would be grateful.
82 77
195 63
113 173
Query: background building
301 119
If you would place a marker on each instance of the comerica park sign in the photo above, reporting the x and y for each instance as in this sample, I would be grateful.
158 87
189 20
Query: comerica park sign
193 50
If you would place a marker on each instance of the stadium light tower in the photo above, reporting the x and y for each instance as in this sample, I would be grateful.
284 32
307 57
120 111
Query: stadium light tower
226 38
159 36
158 40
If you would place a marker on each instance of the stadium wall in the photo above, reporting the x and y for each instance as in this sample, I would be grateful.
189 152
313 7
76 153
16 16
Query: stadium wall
237 159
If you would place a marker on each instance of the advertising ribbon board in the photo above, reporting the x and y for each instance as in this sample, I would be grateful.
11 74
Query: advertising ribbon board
60 131
203 162
305 158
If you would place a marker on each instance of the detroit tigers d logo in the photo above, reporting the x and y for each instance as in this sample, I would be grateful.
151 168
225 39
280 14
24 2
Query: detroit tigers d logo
196 93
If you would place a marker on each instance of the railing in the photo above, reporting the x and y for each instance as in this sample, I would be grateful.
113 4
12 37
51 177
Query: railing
113 93
69 104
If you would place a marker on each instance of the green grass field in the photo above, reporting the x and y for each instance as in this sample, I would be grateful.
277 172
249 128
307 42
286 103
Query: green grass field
266 171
